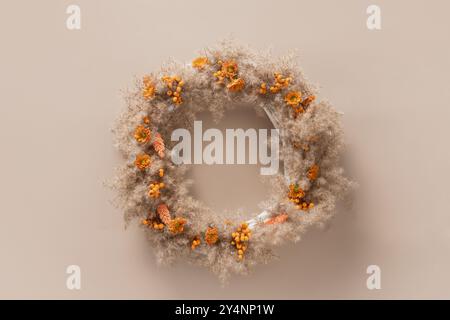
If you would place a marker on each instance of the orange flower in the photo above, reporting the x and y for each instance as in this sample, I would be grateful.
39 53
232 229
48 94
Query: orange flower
280 83
142 134
313 172
293 98
200 62
236 85
142 161
149 89
211 235
177 225
295 193
229 69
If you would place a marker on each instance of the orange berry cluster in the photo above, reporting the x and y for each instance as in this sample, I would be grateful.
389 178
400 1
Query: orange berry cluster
305 206
155 188
153 223
174 88
240 239
196 242
263 88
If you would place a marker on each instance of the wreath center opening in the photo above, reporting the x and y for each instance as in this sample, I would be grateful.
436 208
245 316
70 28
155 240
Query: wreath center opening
235 181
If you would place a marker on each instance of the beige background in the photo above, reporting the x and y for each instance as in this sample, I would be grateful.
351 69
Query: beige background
60 92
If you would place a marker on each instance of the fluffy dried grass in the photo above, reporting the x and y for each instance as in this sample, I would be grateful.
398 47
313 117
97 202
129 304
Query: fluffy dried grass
202 93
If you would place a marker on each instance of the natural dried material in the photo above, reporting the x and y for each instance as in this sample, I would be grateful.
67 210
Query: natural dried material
159 145
171 98
211 235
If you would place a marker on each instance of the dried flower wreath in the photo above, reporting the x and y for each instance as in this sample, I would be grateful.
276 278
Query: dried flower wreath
156 191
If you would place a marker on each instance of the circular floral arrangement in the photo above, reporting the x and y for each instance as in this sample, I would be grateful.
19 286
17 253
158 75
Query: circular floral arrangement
152 189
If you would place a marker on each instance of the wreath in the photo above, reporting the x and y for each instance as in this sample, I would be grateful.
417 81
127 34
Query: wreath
154 190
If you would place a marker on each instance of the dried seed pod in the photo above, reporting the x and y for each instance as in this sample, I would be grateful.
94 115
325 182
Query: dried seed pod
279 218
158 145
164 213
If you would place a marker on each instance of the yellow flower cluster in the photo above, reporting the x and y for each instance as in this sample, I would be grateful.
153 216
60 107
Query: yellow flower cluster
174 88
149 88
142 161
154 191
240 239
211 235
280 83
177 225
161 172
200 63
196 242
142 134
228 69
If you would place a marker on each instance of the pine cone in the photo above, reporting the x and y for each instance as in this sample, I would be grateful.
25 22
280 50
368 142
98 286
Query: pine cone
164 214
280 218
158 145
211 235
